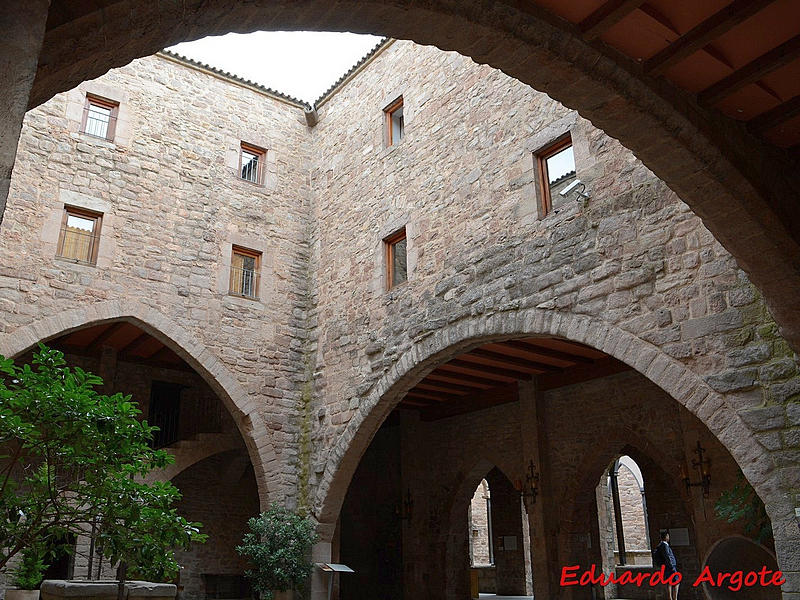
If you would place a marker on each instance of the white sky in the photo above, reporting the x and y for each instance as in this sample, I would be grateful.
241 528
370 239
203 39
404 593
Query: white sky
302 64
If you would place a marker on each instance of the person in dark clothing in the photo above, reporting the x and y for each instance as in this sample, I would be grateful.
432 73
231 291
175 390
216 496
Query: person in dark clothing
663 555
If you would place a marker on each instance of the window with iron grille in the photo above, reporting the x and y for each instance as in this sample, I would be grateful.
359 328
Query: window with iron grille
245 272
251 163
100 117
396 258
80 235
395 125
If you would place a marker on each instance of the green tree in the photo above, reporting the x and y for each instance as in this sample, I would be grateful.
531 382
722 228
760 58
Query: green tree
71 459
278 548
741 503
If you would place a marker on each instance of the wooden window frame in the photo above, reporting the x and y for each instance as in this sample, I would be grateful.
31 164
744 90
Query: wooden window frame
390 243
91 99
86 214
388 112
262 162
541 165
255 254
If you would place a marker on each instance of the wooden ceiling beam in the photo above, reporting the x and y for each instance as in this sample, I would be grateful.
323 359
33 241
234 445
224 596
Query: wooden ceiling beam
510 361
447 388
774 117
429 396
703 34
487 371
107 333
135 343
606 16
463 379
752 71
601 368
526 346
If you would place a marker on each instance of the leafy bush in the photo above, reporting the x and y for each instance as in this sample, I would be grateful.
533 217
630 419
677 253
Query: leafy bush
73 461
742 503
278 548
29 573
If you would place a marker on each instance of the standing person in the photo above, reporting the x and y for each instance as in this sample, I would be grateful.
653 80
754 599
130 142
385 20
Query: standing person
663 556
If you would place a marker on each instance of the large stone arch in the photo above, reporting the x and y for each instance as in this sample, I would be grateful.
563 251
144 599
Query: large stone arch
738 185
233 395
682 384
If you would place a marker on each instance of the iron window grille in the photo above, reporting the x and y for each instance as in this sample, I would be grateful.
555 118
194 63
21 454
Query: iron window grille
100 117
251 163
245 273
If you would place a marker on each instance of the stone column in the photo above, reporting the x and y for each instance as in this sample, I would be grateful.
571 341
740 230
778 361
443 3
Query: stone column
509 555
321 552
534 443
22 24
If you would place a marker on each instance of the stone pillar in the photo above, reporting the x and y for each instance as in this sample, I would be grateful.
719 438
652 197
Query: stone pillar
509 556
541 529
321 552
22 24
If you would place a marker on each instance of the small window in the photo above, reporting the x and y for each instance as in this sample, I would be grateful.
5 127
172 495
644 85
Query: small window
251 163
395 127
556 171
100 117
245 272
396 259
80 234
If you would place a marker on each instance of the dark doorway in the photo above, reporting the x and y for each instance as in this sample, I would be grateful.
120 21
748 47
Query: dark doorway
165 410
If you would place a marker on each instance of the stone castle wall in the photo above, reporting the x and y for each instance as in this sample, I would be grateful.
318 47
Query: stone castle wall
172 206
327 351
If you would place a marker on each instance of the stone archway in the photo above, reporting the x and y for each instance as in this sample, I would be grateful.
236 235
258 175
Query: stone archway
235 399
707 159
682 384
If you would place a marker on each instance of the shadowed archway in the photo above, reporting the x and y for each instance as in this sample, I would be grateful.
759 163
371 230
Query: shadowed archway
235 399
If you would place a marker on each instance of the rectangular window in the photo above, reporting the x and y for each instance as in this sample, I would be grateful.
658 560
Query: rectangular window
80 235
396 259
245 272
100 117
556 165
251 163
395 127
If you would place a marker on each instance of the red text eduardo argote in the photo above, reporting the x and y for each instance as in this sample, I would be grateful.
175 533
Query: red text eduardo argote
734 581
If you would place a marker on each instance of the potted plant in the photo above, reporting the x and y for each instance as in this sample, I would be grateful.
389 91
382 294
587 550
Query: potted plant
27 576
278 548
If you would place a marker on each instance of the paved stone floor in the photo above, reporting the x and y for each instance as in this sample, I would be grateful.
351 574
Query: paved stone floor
496 597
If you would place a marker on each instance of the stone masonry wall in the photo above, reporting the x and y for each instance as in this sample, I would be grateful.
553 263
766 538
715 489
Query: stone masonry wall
632 259
173 205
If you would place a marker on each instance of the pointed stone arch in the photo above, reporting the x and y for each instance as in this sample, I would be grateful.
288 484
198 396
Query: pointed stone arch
681 383
234 397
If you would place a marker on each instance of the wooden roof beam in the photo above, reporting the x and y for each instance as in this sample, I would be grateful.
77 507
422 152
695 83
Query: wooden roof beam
774 117
752 71
526 346
703 34
606 16
510 361
487 371
107 333
447 388
431 396
462 379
